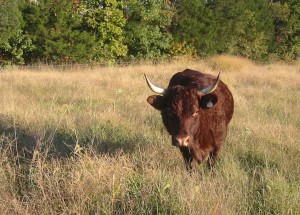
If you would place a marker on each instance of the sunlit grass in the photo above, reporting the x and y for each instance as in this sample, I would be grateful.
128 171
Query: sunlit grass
229 63
94 145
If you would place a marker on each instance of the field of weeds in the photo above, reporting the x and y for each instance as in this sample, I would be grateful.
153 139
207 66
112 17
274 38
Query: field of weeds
85 141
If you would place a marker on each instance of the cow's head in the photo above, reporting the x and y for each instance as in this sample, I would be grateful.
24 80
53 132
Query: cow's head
181 109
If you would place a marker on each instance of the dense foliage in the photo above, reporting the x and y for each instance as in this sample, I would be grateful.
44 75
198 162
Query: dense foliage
81 31
9 19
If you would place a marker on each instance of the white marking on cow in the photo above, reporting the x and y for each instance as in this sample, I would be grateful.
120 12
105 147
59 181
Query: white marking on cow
209 104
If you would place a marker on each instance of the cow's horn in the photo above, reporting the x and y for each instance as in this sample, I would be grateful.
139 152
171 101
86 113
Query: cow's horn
210 88
154 88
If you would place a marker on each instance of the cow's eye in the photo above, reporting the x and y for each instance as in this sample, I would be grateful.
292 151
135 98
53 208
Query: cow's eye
196 113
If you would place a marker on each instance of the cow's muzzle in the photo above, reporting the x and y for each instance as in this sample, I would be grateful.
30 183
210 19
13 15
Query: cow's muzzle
181 141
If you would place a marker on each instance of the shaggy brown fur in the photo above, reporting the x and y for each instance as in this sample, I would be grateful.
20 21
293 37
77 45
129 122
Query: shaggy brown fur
197 123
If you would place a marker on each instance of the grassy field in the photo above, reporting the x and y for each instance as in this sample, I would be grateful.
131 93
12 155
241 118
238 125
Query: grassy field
85 141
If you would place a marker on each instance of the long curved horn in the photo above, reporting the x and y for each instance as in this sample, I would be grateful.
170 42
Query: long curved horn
153 87
210 88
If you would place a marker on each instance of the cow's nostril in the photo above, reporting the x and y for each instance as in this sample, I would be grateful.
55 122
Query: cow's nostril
186 141
181 141
176 141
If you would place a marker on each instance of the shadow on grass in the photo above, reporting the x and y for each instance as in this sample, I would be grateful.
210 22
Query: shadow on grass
103 139
255 165
109 139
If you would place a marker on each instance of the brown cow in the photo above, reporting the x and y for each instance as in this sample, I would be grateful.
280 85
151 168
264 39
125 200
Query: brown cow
196 109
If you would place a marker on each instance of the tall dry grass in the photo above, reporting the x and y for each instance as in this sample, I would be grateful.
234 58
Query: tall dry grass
94 146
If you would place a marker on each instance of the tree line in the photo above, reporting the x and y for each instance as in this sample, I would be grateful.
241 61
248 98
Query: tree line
84 31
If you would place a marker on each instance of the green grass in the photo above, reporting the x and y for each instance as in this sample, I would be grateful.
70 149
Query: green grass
87 142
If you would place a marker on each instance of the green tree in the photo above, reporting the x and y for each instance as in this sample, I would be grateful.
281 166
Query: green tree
193 27
254 31
286 18
105 19
12 52
243 27
56 32
9 19
148 28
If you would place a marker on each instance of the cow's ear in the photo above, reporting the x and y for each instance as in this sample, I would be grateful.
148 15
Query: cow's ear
208 101
155 101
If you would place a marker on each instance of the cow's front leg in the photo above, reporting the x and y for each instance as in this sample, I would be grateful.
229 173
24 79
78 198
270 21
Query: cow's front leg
188 159
213 156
